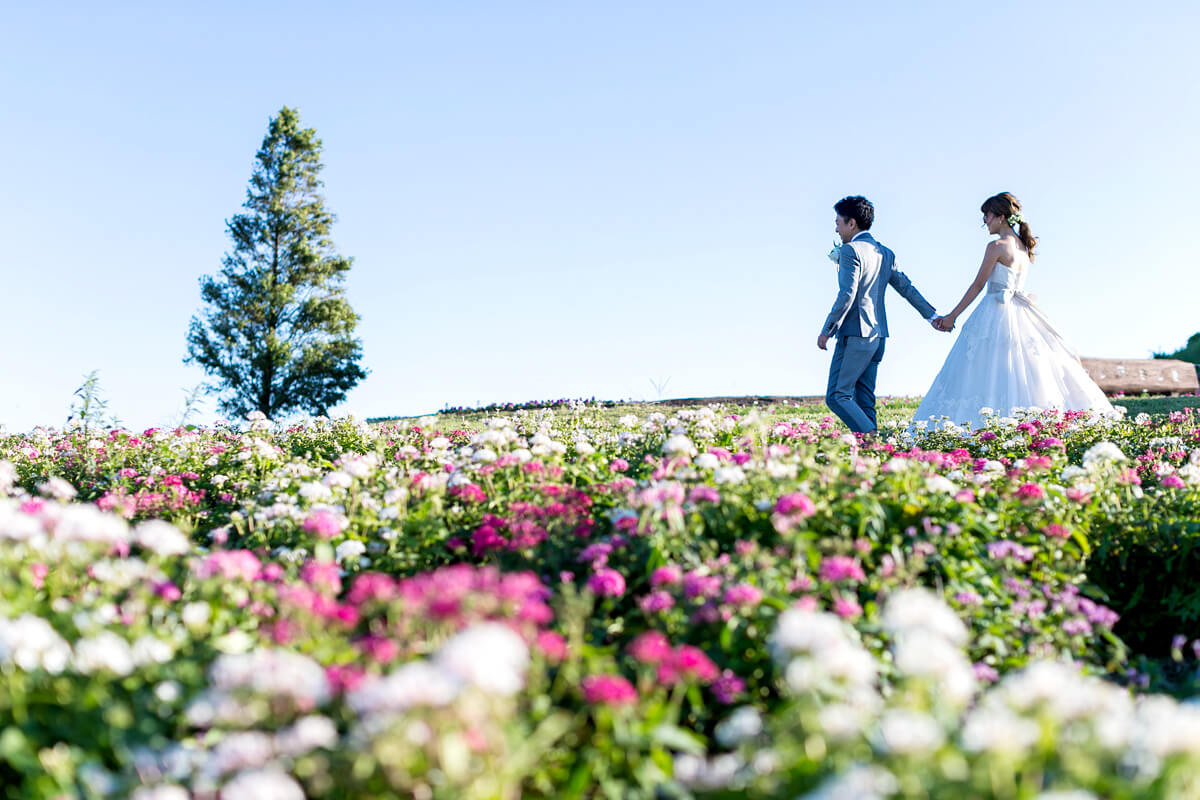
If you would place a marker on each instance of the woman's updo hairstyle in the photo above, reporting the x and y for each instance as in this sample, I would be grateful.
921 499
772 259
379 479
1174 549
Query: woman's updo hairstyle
1006 206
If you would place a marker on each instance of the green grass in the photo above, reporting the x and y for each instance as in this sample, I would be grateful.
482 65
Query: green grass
895 410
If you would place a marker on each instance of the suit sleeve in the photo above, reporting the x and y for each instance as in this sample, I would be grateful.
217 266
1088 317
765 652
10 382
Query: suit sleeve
904 286
849 273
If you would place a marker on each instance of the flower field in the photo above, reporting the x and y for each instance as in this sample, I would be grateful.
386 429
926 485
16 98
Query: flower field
579 602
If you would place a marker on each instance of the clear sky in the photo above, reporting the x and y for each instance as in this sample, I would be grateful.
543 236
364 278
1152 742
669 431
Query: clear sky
549 200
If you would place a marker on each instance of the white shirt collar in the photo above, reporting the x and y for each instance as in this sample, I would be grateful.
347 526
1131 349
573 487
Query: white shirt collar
860 234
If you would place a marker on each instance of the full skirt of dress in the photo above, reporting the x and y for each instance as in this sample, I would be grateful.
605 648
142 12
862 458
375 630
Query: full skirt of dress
1008 356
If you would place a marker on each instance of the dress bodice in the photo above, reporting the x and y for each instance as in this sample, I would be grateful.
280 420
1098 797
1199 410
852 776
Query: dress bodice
1007 279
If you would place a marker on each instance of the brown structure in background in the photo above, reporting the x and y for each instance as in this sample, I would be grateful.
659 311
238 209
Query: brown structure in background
1134 376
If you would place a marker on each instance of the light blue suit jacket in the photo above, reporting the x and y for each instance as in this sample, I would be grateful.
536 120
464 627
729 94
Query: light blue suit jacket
865 268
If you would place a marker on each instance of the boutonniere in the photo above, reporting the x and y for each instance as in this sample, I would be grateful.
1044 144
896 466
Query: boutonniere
836 253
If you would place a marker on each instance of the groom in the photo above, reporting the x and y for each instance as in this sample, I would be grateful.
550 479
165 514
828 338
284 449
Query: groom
858 319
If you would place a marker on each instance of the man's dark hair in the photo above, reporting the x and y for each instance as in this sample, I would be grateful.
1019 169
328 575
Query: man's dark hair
857 208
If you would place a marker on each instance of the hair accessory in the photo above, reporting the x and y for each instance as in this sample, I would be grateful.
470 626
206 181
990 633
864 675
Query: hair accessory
1015 219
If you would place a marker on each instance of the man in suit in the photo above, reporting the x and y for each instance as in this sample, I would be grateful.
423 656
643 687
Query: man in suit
858 318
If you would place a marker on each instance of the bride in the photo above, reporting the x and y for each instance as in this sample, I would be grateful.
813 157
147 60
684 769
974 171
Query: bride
1008 354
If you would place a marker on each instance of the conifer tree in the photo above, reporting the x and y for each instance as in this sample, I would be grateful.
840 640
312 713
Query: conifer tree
276 333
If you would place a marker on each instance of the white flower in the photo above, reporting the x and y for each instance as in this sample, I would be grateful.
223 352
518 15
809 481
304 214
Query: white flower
729 474
275 672
350 548
417 683
241 750
8 476
484 455
858 783
162 538
163 792
679 445
744 723
306 734
149 649
628 421
338 480
315 492
489 655
104 651
440 443
938 483
31 643
264 784
195 615
903 731
993 728
707 461
1100 454
57 488
836 253
913 609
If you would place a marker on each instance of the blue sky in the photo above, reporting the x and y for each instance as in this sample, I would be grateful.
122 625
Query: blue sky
568 200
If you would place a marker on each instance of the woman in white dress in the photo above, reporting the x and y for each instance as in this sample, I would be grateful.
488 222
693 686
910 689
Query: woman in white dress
1008 355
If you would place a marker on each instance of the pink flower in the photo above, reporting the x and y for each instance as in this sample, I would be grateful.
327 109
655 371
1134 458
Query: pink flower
743 594
607 583
985 673
1077 495
694 663
167 591
656 601
841 568
552 645
697 585
847 608
618 465
609 690
230 564
1030 491
39 572
650 647
965 496
1056 531
667 574
795 504
806 603
379 648
325 577
1172 482
323 524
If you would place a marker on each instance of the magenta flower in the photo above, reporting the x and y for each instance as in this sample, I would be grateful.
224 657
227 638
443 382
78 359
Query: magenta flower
841 568
795 504
697 585
609 690
552 645
743 594
1172 482
847 608
1056 531
618 465
656 601
325 577
323 524
1030 491
667 574
728 687
692 662
651 647
607 582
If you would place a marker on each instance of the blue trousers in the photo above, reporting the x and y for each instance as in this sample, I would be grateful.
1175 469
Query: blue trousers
851 390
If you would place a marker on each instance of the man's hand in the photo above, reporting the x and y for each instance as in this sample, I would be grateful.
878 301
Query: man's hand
943 324
822 340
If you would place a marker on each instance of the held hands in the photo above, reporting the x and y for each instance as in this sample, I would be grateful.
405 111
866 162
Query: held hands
943 324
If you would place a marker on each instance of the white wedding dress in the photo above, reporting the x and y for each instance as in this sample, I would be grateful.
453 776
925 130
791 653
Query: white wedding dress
1008 356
